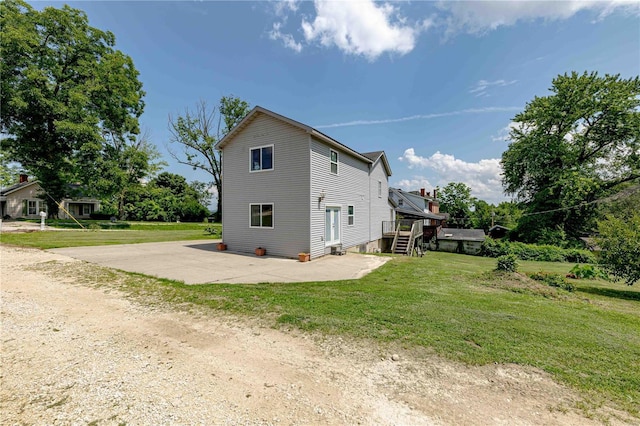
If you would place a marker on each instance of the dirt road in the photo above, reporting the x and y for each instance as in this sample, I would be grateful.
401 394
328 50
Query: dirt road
76 354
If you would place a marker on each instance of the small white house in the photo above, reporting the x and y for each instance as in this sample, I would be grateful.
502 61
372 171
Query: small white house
25 200
289 188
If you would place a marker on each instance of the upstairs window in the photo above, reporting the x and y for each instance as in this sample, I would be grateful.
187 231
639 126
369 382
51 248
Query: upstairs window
334 162
261 158
379 189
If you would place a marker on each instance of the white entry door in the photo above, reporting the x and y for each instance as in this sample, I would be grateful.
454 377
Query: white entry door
332 226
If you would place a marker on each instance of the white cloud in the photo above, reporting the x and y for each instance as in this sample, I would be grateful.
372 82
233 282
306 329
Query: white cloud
483 177
420 117
482 16
362 28
482 86
369 29
503 134
415 183
283 7
287 39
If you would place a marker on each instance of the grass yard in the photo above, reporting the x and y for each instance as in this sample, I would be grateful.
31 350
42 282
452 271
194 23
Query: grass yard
454 305
136 232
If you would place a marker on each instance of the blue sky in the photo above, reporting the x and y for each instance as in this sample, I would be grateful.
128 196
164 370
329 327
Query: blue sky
433 84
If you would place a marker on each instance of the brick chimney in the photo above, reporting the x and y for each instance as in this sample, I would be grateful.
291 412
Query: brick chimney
435 193
422 192
24 178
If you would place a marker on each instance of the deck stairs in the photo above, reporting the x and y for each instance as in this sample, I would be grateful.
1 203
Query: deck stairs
402 243
405 238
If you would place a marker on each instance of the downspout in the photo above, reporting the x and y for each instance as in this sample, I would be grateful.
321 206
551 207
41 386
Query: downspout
220 195
310 200
370 202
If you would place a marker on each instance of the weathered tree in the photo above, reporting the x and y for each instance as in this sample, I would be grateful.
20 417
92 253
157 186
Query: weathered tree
198 130
570 149
455 198
65 94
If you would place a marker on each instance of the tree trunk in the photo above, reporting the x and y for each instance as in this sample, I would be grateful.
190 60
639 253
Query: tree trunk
218 215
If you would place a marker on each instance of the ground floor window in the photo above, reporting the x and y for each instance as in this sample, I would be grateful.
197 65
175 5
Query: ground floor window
87 209
261 215
33 207
350 215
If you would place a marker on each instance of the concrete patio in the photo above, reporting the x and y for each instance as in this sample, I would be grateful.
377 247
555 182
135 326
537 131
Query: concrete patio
198 262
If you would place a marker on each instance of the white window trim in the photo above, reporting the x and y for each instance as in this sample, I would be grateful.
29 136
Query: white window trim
273 157
337 162
35 204
272 215
353 207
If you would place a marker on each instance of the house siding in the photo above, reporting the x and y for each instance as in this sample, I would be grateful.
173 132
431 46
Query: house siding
379 205
286 186
15 200
349 187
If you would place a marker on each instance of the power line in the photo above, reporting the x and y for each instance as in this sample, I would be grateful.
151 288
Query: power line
608 199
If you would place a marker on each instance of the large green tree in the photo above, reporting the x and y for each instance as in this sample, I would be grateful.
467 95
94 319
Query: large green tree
570 149
167 197
198 130
8 172
66 93
122 167
455 198
619 242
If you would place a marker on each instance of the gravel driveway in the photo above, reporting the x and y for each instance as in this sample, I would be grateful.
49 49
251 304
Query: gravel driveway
76 350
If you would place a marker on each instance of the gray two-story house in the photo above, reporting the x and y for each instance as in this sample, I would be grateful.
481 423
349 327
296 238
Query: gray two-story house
289 188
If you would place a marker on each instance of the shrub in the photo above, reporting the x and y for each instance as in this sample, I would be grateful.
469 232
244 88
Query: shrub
552 280
101 215
543 253
507 263
588 272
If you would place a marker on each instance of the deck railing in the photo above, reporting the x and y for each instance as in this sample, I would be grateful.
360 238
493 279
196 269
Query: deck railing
388 227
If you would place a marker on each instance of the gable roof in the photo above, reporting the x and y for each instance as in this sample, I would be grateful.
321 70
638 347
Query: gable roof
308 129
377 155
16 187
457 234
410 208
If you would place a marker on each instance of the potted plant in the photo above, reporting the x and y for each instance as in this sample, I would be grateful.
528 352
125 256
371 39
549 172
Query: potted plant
303 257
222 246
261 251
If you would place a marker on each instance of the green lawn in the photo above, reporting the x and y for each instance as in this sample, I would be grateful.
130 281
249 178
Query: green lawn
136 232
454 305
